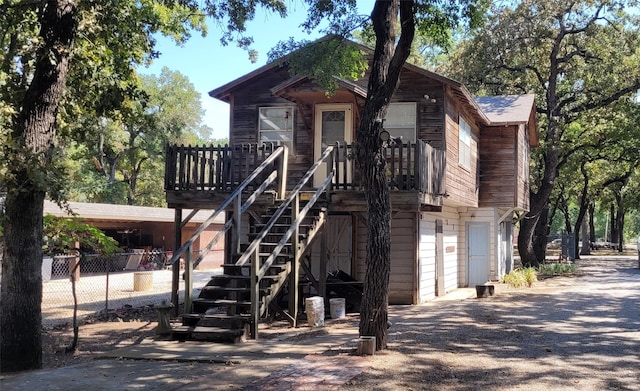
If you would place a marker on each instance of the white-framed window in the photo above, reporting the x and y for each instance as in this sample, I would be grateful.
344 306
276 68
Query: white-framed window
400 121
275 124
464 144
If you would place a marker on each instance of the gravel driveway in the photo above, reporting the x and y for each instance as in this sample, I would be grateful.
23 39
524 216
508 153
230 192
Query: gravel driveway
565 333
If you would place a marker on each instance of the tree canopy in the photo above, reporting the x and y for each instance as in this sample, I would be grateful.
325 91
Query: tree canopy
576 57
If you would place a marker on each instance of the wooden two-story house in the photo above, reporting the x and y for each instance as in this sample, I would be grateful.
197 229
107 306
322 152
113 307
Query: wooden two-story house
457 166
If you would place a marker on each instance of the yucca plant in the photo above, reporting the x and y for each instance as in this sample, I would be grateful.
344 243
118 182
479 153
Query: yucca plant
530 275
515 278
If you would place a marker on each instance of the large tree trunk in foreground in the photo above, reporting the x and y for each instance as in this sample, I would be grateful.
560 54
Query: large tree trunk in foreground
388 60
33 140
20 319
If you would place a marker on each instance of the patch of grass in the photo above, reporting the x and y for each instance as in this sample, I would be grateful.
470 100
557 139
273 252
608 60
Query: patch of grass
556 269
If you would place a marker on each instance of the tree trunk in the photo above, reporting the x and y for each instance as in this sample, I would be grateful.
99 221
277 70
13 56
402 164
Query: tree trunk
592 224
586 248
618 239
533 254
388 60
21 292
532 238
583 202
34 136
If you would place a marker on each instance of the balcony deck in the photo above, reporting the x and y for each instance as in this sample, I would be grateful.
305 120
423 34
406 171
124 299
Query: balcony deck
204 176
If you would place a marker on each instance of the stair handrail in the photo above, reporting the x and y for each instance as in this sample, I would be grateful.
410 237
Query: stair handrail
238 191
252 251
255 244
245 206
287 235
236 196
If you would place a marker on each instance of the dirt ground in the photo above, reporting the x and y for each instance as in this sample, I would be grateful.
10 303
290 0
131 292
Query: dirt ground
580 332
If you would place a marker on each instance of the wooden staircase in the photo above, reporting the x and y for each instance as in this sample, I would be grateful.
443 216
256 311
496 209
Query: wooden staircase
230 306
223 312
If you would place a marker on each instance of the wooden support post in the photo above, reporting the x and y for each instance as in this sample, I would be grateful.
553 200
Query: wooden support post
294 294
175 268
188 280
322 278
255 295
237 212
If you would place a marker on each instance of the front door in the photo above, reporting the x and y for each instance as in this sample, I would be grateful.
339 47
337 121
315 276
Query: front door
333 122
478 250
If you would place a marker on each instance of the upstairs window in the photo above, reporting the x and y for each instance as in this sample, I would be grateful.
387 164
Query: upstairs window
275 125
400 121
464 144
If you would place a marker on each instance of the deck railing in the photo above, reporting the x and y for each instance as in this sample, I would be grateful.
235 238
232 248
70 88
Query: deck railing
208 168
410 166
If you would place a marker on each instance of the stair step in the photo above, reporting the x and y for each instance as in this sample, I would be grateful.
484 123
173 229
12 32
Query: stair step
273 235
221 302
217 316
279 225
215 320
247 278
229 289
209 333
248 265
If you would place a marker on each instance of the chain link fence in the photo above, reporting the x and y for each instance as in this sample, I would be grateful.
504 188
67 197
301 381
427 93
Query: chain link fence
104 283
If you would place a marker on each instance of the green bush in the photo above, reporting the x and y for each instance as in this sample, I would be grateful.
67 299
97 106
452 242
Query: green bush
62 234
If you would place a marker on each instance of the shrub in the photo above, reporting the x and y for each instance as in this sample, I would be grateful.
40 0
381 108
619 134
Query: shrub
556 269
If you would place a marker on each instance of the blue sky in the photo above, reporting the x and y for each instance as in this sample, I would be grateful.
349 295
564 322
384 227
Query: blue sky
209 65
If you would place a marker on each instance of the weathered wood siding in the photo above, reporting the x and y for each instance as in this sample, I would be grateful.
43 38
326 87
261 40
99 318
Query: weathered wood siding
248 98
430 116
403 256
499 166
462 183
245 103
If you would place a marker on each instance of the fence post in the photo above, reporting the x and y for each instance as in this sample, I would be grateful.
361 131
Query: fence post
106 299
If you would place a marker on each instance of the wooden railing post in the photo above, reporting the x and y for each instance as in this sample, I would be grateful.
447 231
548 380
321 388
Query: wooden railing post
255 295
282 173
237 212
294 295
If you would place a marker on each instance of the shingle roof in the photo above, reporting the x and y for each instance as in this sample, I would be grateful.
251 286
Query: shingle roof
110 212
506 109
